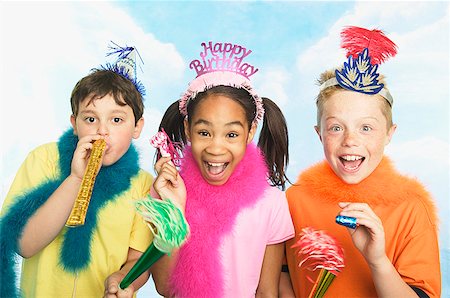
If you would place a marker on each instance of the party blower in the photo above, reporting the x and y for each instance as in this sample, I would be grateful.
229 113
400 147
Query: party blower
165 220
317 250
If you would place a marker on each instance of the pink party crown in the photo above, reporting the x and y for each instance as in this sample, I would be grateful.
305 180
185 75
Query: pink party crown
221 64
223 57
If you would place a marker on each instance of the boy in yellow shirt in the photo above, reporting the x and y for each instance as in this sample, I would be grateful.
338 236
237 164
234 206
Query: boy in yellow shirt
62 261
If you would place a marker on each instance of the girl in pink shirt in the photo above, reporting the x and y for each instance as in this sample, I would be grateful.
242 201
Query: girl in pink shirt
238 217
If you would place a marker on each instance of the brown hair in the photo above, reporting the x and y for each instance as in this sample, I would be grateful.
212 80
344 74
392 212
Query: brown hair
101 82
273 139
325 94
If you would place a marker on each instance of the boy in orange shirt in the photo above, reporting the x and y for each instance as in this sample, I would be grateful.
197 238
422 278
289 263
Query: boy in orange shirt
392 250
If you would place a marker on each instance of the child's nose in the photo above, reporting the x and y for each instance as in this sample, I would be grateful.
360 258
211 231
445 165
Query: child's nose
103 129
215 147
350 139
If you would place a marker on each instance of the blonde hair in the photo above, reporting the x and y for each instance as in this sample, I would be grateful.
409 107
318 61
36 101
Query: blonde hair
325 94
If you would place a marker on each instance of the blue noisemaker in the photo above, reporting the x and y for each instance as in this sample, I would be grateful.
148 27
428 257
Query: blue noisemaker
346 221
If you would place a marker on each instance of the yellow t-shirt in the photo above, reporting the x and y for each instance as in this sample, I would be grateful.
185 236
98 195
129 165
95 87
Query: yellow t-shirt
118 228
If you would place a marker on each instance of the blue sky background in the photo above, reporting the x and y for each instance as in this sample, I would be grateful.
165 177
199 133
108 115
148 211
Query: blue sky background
46 47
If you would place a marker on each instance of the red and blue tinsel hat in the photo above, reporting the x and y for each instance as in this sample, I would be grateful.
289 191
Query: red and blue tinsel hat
366 49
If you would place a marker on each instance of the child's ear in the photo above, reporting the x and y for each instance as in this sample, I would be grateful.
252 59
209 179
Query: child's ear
317 129
186 130
251 133
74 124
138 128
390 133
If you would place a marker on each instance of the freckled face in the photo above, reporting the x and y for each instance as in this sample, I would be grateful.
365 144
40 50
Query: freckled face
353 131
114 122
219 134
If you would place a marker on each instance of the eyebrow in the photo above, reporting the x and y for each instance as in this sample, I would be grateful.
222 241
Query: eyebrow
95 112
208 123
339 119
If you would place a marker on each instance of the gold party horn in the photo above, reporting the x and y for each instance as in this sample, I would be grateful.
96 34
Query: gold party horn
78 214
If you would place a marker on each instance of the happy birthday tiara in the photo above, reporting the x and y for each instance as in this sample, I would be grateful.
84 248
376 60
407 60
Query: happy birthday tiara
221 64
366 49
125 65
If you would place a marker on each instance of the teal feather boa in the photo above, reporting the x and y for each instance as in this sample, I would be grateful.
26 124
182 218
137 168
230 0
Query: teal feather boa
75 252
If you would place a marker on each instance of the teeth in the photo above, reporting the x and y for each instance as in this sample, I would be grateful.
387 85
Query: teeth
351 157
215 164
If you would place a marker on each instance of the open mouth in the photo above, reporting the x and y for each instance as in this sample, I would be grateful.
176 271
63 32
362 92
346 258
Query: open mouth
351 162
216 168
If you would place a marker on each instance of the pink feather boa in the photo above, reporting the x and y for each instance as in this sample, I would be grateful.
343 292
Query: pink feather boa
211 212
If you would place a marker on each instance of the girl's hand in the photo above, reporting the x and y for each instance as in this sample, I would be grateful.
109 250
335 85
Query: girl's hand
81 155
169 184
368 236
112 289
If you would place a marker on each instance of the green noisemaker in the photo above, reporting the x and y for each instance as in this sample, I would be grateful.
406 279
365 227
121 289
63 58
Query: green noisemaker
169 228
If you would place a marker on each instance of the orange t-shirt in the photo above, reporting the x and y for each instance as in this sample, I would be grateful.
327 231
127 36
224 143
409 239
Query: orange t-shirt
405 209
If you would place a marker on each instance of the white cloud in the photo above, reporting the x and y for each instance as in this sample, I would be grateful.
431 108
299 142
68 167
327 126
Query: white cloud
420 73
429 149
396 14
272 84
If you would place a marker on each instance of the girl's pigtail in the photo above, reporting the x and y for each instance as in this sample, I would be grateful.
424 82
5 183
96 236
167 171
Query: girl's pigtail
173 124
274 142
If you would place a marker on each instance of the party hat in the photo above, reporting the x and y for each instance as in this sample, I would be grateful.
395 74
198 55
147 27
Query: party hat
366 50
222 64
126 64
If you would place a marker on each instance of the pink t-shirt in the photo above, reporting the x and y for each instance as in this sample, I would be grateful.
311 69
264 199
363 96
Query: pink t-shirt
267 222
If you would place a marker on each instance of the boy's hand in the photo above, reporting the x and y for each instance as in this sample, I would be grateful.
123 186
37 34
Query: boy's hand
368 236
169 184
112 289
81 155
